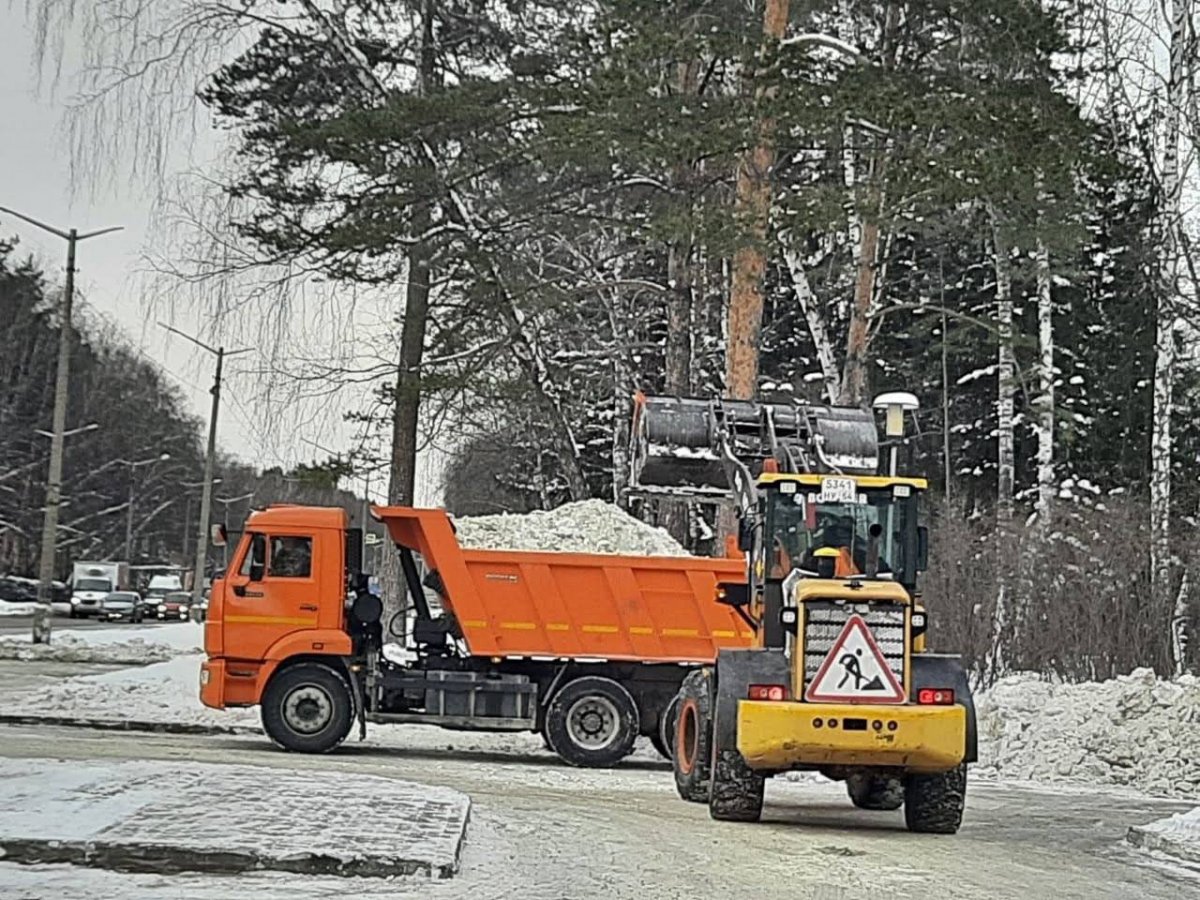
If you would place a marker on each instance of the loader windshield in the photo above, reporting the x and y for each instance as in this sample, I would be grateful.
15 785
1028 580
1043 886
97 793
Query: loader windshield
808 518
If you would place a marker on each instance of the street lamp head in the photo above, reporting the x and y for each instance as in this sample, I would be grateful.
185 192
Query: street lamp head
164 457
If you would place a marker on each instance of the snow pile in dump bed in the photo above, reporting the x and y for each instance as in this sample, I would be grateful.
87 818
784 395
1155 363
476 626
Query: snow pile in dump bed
1135 730
130 644
588 526
162 692
1178 835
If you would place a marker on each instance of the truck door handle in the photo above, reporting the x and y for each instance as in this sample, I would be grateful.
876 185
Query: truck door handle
308 607
240 591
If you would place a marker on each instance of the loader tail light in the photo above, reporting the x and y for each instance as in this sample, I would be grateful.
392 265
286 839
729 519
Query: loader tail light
935 696
768 692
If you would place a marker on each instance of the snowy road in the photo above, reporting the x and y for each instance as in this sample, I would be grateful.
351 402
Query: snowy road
545 832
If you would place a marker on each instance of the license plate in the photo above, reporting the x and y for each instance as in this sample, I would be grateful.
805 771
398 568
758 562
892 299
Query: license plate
838 490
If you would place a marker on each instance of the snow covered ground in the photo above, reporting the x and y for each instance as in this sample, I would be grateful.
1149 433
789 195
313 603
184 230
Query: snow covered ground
1177 836
17 609
121 644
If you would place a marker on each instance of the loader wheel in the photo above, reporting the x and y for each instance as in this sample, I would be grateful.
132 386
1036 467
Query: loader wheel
691 754
736 794
592 722
933 804
307 708
663 737
875 792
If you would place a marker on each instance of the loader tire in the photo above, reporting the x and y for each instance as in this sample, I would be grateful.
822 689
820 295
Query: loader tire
933 804
691 753
308 708
592 722
736 793
663 737
875 792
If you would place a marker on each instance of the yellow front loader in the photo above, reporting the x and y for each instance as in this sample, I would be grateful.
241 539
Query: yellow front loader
839 679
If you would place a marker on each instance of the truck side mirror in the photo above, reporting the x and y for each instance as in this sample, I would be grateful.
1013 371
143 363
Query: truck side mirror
218 535
745 534
922 548
258 554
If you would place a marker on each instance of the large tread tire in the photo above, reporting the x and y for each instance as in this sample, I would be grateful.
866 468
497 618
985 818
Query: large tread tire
875 792
663 737
691 750
308 686
736 794
933 804
591 703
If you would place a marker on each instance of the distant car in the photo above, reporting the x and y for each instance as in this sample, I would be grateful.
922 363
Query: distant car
125 605
174 605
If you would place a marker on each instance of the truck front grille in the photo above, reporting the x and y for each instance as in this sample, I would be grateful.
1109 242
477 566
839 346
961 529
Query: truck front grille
824 621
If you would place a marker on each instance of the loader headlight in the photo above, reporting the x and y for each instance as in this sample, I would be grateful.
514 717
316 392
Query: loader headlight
789 618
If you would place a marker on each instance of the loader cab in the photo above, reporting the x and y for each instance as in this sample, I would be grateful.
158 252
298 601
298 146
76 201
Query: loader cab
806 516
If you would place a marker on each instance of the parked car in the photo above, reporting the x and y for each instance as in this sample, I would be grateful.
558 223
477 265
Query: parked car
174 605
122 605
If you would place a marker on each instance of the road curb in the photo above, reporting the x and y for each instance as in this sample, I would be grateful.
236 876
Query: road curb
126 725
127 856
1147 839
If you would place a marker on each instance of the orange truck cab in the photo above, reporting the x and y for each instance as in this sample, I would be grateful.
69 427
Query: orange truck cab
587 649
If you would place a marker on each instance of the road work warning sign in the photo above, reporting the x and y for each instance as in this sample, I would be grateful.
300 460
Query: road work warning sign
855 671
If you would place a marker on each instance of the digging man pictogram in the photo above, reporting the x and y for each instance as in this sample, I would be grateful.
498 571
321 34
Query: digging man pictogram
853 669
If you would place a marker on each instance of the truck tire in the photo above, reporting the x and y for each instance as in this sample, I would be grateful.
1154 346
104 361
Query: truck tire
691 754
663 737
933 804
307 708
592 722
736 793
875 792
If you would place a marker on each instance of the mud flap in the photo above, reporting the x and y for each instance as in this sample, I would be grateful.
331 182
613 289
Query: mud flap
944 670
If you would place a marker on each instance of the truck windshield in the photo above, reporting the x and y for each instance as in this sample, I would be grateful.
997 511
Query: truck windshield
93 584
800 523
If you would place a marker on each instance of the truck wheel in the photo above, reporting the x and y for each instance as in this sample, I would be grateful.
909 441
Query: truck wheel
307 708
592 722
736 794
875 792
691 755
663 737
933 804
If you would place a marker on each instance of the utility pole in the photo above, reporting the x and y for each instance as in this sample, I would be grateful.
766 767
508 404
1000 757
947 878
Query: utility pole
42 616
225 501
209 459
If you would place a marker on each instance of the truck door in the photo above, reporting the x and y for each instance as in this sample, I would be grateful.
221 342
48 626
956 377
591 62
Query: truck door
272 593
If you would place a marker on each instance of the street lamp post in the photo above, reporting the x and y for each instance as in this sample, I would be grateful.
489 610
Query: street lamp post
41 617
206 495
129 504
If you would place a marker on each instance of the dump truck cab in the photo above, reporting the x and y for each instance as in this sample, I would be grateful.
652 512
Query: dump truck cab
838 679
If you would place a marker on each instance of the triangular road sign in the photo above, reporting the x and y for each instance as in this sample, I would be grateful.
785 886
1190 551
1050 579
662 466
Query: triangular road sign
855 671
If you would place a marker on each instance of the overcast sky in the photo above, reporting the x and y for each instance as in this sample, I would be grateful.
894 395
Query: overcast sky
34 168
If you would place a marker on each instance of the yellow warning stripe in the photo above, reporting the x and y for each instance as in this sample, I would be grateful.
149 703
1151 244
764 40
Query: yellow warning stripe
599 629
549 626
638 629
680 632
724 634
518 626
557 626
270 620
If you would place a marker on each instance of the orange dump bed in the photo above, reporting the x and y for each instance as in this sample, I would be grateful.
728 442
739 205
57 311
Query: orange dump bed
592 606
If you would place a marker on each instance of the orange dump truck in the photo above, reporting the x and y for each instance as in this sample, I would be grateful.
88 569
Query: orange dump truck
587 649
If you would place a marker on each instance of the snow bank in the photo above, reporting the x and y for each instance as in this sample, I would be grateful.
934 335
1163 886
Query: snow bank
1178 835
130 644
589 526
8 608
161 692
1136 731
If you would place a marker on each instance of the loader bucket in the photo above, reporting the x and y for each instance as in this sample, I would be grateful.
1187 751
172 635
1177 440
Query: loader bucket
674 444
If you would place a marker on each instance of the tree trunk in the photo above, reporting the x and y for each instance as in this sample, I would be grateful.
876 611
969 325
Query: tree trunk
1045 403
1162 568
817 328
753 206
402 480
854 376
